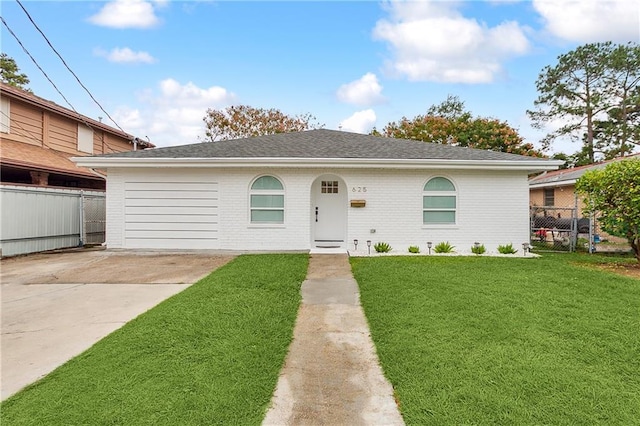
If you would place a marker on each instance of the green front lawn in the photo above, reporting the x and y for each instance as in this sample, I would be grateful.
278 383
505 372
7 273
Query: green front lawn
209 355
480 340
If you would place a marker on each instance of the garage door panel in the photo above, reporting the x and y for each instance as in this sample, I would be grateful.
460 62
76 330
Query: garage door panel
167 218
195 235
172 186
167 226
177 243
171 210
178 195
160 202
173 215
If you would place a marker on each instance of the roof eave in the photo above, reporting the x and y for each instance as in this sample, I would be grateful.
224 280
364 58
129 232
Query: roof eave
291 162
553 184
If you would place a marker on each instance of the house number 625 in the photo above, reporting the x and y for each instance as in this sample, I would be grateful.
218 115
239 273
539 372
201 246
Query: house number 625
359 189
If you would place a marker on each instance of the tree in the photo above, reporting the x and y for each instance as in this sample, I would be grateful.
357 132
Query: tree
10 73
243 121
593 91
450 124
619 131
614 194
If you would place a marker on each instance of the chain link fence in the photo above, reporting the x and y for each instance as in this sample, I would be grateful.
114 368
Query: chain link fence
94 219
559 223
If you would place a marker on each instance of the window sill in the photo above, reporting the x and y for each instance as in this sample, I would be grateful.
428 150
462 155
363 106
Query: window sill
441 226
266 225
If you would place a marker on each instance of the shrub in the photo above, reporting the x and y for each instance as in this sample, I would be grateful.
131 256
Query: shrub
382 247
507 249
443 247
414 249
478 249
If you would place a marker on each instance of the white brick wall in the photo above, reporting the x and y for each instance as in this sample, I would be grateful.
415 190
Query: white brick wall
492 207
115 209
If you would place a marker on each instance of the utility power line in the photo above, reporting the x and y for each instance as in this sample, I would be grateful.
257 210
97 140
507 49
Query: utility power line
80 116
67 66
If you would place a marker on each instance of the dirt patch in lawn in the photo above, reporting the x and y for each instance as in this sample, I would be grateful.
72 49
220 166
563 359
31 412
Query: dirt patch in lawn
626 269
631 270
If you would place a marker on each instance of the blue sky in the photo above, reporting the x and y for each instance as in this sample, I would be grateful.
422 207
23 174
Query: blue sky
156 66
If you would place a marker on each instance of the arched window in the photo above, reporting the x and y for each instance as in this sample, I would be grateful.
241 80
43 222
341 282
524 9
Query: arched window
267 200
439 202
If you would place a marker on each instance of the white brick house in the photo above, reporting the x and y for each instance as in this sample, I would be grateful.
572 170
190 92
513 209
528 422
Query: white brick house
315 190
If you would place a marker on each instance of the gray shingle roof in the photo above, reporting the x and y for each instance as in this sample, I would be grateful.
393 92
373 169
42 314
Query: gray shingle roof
568 176
320 144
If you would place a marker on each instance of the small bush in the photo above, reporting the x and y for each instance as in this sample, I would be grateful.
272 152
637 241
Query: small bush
443 247
478 249
414 249
507 249
382 247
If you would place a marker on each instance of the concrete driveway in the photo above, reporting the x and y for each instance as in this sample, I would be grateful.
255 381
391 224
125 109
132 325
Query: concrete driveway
56 305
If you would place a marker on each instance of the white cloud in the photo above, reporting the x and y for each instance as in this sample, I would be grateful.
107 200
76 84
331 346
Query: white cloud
125 55
360 122
172 114
432 41
587 21
364 91
127 14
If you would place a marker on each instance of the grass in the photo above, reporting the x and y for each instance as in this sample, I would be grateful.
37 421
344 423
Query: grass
209 355
481 340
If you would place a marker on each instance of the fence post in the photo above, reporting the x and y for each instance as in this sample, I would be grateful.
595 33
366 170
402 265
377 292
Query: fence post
82 224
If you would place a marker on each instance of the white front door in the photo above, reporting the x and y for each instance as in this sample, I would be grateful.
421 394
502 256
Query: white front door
329 211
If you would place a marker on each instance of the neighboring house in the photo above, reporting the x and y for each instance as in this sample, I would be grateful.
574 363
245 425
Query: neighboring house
37 138
316 190
552 193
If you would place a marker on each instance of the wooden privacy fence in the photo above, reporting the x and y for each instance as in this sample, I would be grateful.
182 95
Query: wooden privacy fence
37 219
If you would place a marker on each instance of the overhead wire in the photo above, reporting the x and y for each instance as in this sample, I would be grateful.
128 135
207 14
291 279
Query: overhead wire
29 135
67 66
80 116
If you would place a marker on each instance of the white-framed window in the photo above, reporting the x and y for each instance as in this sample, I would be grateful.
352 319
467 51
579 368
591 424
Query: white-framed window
85 139
267 200
439 202
5 115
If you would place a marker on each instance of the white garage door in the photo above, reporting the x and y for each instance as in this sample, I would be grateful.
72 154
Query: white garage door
171 215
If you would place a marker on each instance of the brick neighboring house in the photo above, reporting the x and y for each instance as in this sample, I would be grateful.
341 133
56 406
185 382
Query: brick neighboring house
37 138
556 190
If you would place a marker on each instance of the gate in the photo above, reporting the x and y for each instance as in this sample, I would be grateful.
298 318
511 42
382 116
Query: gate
93 219
38 219
556 228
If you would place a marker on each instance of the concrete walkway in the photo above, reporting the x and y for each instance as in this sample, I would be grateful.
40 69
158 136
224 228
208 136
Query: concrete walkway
331 375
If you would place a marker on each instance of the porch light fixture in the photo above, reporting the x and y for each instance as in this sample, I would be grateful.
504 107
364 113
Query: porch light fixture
525 248
429 244
369 246
355 244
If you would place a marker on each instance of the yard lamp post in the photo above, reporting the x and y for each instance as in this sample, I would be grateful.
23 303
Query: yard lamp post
525 248
369 246
355 244
429 244
476 245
